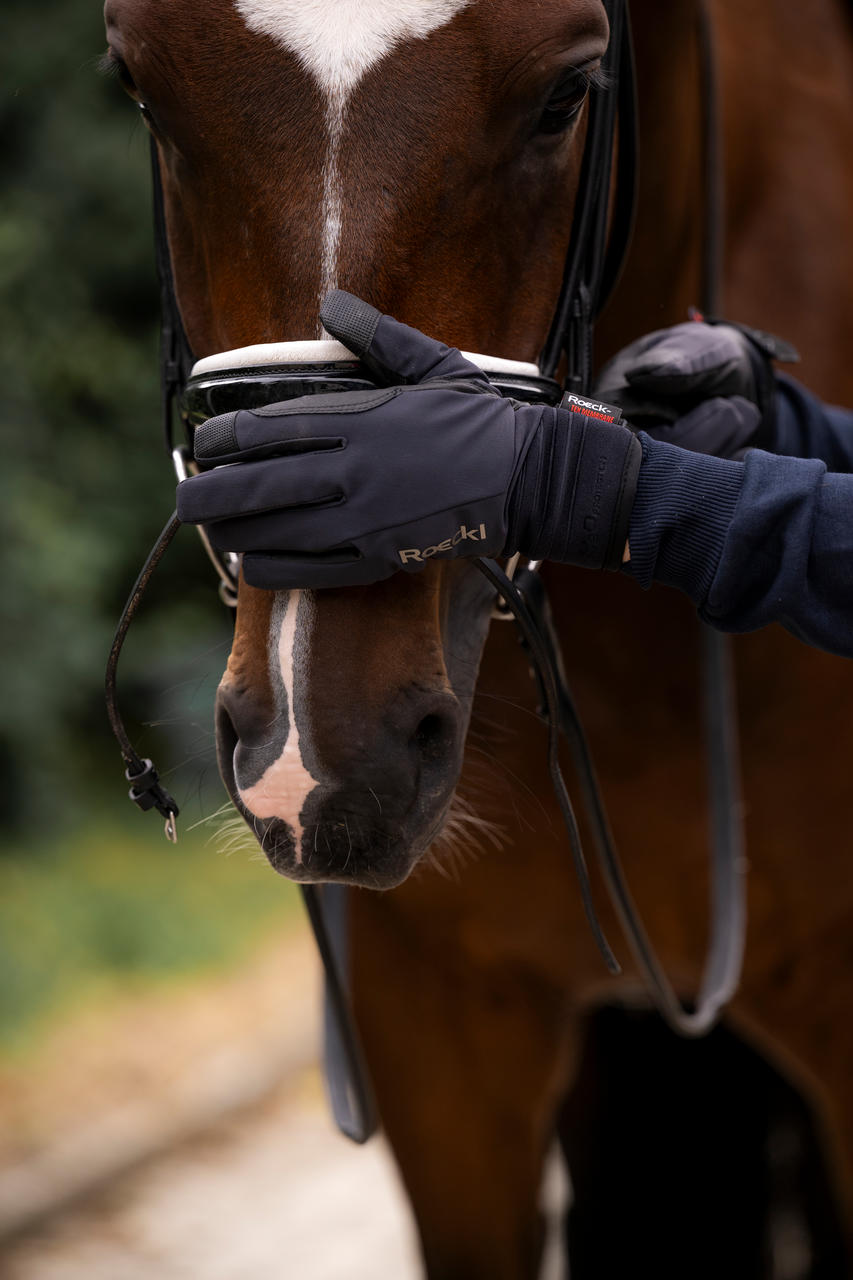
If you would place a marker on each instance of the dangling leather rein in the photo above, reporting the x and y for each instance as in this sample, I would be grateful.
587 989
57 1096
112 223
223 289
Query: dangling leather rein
146 789
591 271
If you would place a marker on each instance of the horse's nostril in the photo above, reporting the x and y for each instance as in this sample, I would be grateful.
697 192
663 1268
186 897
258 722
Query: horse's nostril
433 737
226 740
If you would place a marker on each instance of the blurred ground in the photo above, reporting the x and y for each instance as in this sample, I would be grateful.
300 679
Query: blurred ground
188 1138
133 1077
271 1195
184 1135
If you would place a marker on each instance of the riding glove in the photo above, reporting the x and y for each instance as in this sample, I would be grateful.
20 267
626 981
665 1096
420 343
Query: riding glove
343 489
709 388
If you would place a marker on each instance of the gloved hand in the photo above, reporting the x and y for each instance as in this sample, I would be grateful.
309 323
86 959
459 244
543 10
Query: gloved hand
705 387
342 489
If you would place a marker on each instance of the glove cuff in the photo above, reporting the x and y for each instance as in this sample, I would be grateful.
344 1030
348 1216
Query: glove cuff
573 499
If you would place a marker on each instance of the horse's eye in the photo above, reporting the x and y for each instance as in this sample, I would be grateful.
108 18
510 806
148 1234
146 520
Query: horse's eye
565 102
112 65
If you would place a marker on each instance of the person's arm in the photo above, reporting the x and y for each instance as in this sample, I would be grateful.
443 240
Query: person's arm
807 428
712 388
766 540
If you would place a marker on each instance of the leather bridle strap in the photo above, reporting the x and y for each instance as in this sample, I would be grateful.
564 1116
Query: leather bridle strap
354 1106
598 243
146 790
175 355
728 842
525 597
542 648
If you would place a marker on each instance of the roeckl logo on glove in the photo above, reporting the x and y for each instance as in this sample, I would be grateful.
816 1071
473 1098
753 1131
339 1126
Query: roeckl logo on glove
461 535
591 408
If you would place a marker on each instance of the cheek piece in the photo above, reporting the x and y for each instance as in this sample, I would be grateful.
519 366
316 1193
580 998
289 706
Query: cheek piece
430 462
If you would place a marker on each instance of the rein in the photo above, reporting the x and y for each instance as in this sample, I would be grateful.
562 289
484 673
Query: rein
593 265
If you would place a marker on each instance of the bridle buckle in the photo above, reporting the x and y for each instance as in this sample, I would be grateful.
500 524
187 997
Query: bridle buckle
227 563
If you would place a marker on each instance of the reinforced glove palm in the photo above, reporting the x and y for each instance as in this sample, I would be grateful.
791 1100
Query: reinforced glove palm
339 490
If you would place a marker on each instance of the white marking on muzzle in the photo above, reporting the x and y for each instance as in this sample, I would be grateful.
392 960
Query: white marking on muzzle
285 785
337 42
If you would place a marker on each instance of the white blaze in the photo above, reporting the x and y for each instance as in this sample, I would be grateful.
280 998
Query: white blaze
283 788
337 42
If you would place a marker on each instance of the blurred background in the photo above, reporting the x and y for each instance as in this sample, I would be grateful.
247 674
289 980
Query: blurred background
149 993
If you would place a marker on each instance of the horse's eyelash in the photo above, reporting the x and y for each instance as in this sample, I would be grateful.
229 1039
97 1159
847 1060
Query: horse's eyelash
599 79
111 65
108 64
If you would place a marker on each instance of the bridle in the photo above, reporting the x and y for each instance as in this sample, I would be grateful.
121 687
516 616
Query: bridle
597 247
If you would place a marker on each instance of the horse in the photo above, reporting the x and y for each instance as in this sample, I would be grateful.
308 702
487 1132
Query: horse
370 736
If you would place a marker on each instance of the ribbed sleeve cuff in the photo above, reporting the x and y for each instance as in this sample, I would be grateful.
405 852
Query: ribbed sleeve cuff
682 511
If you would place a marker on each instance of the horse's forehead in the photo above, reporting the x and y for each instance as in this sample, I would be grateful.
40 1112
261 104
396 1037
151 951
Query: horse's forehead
338 41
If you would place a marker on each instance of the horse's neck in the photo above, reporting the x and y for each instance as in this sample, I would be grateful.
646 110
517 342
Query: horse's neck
785 77
788 93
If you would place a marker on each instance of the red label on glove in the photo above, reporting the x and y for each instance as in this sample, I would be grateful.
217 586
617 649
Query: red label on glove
591 408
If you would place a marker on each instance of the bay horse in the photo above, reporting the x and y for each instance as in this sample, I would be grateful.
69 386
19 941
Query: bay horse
395 148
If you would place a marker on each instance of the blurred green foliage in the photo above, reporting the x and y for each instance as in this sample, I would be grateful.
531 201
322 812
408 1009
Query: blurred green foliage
90 893
104 909
86 483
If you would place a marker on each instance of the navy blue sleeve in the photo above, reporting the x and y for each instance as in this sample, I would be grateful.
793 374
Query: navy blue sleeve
766 540
805 427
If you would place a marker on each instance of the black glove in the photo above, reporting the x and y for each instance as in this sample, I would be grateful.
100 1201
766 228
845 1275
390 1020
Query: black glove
705 387
341 489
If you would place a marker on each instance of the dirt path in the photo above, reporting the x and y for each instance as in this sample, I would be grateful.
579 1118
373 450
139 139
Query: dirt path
123 1122
142 1074
273 1195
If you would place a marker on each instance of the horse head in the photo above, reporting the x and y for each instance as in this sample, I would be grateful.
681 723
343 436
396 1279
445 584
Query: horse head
423 154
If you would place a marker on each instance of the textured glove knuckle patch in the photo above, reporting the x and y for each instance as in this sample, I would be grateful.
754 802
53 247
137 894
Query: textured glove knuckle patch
350 319
216 436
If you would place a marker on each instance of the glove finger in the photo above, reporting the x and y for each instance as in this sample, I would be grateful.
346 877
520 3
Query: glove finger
696 359
641 410
722 427
305 530
392 351
249 488
277 572
308 424
611 382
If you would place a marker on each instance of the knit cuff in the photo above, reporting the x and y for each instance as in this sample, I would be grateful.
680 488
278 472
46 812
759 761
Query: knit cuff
682 511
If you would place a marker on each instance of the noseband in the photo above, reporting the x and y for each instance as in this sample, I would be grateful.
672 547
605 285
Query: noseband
264 374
